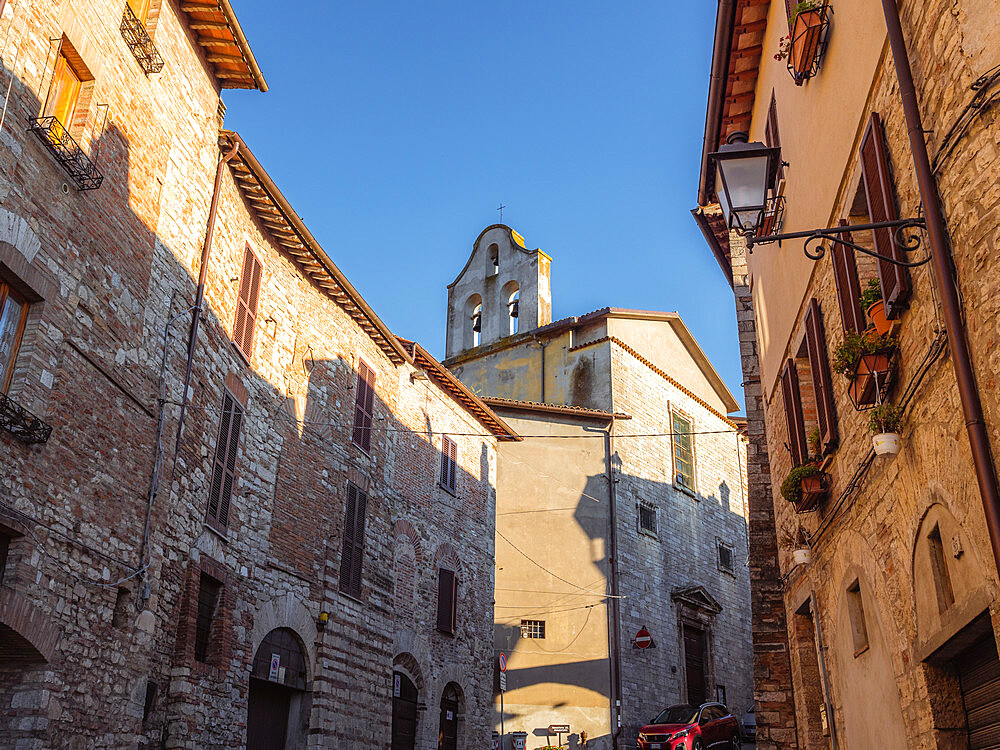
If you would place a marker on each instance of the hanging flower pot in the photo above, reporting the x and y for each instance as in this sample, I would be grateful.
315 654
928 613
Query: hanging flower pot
867 360
876 314
886 443
809 23
802 556
805 486
885 423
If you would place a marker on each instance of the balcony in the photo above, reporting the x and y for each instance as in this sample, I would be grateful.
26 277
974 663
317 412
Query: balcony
67 152
21 423
137 38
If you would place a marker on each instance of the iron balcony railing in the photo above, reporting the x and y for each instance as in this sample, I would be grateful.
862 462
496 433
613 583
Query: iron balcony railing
67 152
21 423
137 38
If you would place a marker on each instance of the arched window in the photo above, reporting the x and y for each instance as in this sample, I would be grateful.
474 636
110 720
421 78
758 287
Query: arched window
511 297
473 322
493 266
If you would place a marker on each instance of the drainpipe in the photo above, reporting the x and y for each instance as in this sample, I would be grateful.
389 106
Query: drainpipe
616 664
942 264
202 273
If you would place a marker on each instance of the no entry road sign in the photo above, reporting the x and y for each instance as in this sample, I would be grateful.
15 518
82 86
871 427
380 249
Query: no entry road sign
643 639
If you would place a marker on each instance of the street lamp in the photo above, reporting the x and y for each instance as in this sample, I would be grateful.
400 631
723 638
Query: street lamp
743 173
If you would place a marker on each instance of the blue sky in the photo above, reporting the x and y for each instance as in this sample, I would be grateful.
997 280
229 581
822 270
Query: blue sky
396 128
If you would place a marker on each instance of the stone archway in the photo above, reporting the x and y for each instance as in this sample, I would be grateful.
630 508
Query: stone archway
451 719
278 701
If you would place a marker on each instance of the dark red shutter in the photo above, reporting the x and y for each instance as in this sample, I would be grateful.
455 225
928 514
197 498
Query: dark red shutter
772 138
877 177
453 455
822 384
793 413
246 304
447 595
224 466
364 405
845 276
352 555
449 458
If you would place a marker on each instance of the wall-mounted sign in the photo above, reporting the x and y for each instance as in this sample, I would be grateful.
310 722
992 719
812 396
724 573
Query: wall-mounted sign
643 639
397 685
275 666
558 728
503 662
503 682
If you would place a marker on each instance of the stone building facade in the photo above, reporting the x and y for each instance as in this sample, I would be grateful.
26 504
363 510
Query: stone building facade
294 551
887 637
624 508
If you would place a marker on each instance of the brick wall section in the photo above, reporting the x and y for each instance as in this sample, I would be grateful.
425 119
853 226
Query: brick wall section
685 551
113 266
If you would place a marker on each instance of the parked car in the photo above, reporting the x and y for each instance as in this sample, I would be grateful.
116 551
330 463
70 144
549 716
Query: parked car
749 725
709 726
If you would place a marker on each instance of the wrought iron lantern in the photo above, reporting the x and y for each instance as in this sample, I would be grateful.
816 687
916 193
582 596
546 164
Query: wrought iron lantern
743 173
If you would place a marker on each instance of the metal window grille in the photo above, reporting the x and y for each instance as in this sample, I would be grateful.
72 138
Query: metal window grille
67 152
21 423
137 38
532 628
725 558
683 451
647 518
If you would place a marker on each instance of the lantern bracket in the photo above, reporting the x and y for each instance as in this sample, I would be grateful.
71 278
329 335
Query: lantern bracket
907 241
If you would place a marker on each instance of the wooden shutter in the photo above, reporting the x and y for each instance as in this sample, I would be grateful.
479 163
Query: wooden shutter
352 556
246 304
364 405
793 413
822 383
449 460
447 595
881 199
772 139
845 276
224 467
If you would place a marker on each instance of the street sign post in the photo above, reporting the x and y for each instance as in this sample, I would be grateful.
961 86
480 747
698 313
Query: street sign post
503 687
559 729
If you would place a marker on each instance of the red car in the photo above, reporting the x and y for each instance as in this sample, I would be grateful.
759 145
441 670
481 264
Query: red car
708 727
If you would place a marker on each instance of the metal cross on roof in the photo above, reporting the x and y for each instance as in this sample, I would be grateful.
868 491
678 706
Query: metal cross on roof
500 208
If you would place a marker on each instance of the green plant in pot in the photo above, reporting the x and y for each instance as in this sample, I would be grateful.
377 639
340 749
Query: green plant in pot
884 424
874 305
865 359
805 486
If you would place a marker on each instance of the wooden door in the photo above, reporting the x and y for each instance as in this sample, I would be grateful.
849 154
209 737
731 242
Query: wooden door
448 733
404 712
267 715
979 677
694 664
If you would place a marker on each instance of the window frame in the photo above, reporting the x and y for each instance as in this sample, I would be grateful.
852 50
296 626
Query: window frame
250 319
448 480
7 291
361 435
447 617
352 551
645 530
719 546
219 521
856 615
692 488
203 651
533 630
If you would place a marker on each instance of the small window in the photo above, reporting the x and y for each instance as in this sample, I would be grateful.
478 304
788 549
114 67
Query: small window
119 615
364 408
246 304
220 493
939 566
208 602
449 460
683 445
856 612
726 558
150 703
353 553
447 596
139 8
13 314
647 519
532 628
64 92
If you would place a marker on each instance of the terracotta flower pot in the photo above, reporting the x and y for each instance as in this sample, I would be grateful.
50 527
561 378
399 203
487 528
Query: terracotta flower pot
876 313
807 32
813 490
871 375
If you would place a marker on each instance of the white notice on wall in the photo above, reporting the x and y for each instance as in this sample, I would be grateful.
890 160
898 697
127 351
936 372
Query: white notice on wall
275 665
396 686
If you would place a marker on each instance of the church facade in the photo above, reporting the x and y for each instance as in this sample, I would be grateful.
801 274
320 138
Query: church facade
621 513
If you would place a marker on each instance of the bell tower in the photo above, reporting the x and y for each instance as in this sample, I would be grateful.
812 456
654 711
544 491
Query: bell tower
502 291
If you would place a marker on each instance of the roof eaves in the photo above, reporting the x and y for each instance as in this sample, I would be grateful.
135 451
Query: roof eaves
538 406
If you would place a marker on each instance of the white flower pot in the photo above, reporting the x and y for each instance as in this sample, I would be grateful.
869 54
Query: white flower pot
886 443
802 556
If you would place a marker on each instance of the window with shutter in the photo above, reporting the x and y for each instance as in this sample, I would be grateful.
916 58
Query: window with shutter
352 555
819 366
773 140
364 405
845 277
208 602
246 303
877 178
447 595
449 461
793 413
224 467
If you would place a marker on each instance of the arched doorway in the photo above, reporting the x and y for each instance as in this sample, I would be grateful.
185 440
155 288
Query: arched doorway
451 704
404 712
277 689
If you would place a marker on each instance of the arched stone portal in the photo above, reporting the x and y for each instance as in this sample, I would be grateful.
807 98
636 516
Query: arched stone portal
278 703
452 716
